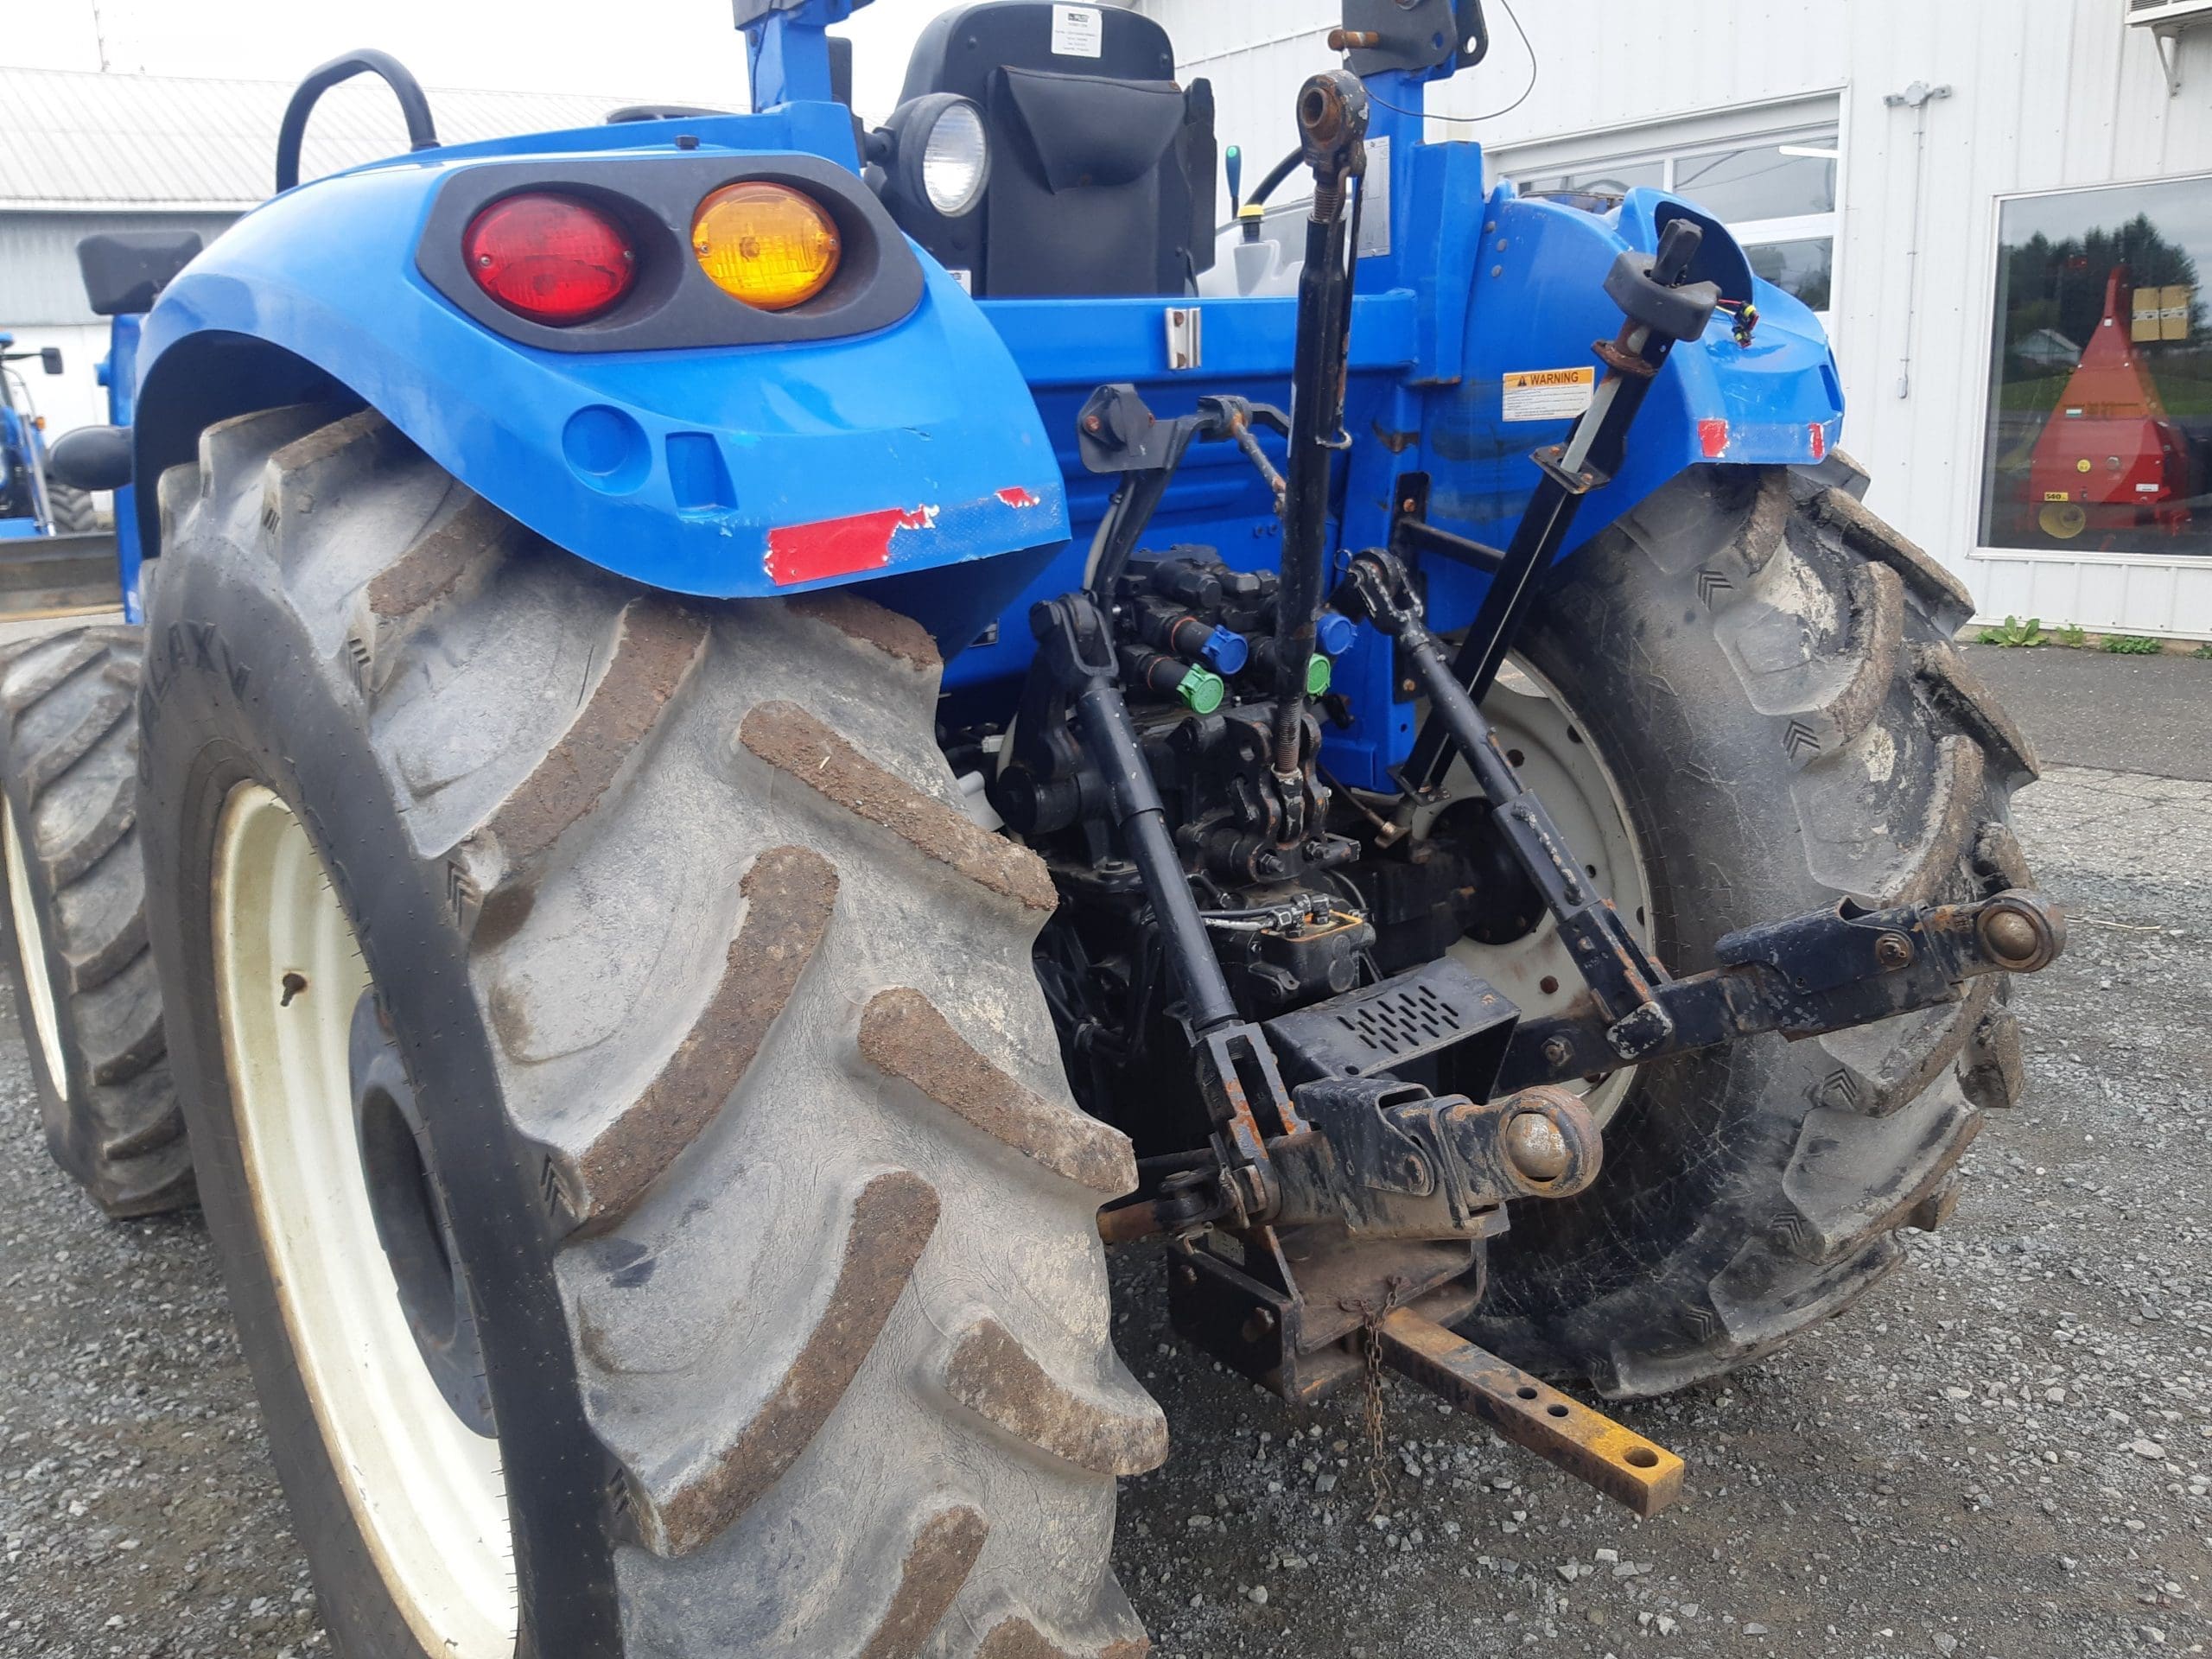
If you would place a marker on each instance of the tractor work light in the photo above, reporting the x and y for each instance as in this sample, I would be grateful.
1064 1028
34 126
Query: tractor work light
934 154
767 244
957 160
551 258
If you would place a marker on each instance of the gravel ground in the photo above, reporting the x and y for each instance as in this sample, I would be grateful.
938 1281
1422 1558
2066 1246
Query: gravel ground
2003 1453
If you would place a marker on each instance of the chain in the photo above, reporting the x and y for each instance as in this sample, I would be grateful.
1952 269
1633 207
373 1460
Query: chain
1378 1467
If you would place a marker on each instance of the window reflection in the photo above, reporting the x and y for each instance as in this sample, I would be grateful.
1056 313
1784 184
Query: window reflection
2100 406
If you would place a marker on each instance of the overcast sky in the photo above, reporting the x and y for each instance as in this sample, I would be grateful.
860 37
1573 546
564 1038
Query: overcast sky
682 50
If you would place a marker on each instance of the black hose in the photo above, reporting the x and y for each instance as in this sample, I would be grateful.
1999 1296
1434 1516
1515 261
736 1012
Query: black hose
1268 186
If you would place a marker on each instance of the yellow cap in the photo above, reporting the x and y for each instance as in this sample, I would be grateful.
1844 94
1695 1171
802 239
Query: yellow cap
766 244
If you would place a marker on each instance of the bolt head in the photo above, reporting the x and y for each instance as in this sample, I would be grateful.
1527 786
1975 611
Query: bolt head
1537 1147
1557 1052
1893 951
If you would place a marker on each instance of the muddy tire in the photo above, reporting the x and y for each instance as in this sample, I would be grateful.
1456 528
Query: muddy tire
86 996
739 1098
1766 670
73 510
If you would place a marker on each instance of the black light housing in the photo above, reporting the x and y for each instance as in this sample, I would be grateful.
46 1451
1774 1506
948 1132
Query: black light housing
935 153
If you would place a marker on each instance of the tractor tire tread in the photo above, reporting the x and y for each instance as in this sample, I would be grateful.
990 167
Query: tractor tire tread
70 748
1827 614
687 846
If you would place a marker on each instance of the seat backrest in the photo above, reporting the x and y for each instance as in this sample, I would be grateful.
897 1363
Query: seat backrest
1102 176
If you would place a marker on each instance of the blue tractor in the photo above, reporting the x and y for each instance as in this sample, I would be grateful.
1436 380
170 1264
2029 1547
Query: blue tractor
31 503
756 736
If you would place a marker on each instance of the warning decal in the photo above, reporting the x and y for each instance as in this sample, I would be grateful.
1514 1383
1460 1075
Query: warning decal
1548 394
1078 32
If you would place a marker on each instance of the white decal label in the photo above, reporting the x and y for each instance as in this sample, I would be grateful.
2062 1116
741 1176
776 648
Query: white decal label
1078 32
1548 394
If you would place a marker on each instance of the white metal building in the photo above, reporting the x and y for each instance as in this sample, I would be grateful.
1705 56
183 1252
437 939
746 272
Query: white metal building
82 152
1952 183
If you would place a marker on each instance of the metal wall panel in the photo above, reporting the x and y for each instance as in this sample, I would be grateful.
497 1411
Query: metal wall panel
88 141
2046 94
39 280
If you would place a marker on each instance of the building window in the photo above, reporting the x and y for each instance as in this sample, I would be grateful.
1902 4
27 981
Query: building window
1777 195
2099 435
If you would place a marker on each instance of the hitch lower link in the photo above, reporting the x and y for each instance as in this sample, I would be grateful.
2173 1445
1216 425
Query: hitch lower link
1342 1219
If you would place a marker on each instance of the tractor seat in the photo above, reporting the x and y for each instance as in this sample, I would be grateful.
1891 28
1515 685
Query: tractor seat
1102 167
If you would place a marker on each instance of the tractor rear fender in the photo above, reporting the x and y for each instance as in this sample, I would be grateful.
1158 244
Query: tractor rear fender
1537 301
719 470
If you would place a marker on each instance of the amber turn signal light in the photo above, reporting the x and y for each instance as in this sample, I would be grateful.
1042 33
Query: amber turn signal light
766 244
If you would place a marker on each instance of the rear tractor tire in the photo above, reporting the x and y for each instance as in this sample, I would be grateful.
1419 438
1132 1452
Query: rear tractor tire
1765 670
73 510
631 1128
86 995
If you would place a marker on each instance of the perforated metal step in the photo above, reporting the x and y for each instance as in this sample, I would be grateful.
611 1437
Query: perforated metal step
1384 1028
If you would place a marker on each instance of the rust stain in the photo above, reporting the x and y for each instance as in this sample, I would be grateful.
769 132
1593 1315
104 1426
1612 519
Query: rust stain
1591 1446
871 624
840 547
943 1554
891 1221
1017 1638
790 892
795 741
655 647
904 1035
1001 1381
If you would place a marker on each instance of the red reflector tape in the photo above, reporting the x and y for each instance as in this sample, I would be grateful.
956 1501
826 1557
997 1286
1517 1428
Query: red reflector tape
840 547
1712 438
1018 497
1820 440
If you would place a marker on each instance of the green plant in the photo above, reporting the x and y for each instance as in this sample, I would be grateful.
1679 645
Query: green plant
2131 644
2203 652
2074 636
2015 632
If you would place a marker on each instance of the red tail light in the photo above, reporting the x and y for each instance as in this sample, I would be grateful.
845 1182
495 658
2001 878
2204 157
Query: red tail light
550 259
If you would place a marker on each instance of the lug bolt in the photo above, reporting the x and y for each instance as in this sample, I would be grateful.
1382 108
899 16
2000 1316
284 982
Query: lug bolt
1557 1052
1893 951
1261 1325
1537 1148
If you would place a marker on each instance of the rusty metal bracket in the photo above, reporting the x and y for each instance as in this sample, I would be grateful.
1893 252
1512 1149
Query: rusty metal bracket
1562 1431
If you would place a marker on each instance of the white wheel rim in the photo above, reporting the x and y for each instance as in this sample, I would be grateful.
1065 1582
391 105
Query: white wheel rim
30 946
1556 759
427 1493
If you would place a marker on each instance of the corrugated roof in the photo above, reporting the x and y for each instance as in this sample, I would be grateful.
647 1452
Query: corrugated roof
76 141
